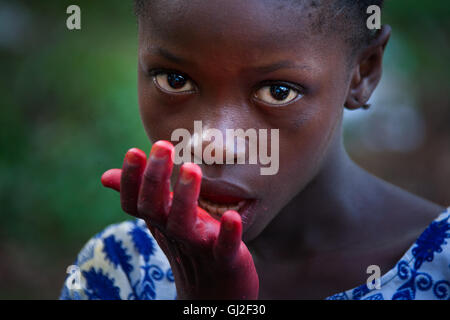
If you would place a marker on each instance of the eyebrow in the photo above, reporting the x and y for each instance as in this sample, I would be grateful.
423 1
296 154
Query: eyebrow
168 55
284 64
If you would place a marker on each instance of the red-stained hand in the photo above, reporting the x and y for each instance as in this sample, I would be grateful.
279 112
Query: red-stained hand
207 257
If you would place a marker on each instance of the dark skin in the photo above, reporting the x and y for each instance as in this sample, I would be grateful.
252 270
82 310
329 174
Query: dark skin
310 236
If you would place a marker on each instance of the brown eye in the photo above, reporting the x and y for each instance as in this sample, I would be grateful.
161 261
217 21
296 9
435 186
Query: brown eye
173 82
277 94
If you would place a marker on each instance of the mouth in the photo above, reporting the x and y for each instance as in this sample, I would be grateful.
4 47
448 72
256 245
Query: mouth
217 209
217 198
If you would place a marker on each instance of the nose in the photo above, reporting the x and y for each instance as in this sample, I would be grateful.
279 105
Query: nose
210 145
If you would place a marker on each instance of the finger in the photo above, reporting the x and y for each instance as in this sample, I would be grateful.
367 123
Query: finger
154 196
183 212
133 168
111 179
229 240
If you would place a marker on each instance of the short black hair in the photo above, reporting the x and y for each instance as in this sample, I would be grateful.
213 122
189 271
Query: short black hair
354 18
347 17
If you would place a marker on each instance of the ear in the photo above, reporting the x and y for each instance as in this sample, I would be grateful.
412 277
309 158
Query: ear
367 71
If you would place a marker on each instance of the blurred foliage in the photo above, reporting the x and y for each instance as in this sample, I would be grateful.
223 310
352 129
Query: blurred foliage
421 34
70 112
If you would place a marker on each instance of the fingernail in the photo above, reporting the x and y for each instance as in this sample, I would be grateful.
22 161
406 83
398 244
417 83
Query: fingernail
159 153
132 157
189 171
186 176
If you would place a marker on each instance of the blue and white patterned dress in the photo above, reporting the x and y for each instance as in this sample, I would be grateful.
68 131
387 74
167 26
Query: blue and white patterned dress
125 262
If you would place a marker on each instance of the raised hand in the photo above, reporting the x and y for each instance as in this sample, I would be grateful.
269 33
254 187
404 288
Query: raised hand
207 257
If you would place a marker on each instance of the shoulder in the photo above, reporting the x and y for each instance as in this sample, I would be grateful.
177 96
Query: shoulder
405 214
123 261
423 273
434 243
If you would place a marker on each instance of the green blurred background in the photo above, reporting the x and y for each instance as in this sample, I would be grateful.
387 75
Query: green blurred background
69 112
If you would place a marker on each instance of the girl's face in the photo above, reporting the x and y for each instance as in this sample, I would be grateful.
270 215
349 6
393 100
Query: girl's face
245 64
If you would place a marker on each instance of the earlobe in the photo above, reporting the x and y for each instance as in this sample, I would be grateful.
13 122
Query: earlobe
352 103
367 72
356 93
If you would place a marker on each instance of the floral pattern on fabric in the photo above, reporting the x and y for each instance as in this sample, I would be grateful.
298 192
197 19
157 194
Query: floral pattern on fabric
121 262
124 261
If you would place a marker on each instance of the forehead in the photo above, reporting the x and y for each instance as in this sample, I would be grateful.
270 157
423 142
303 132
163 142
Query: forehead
256 24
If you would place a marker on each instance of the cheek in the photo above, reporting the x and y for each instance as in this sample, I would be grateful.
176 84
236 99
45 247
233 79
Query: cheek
152 122
148 117
156 117
302 152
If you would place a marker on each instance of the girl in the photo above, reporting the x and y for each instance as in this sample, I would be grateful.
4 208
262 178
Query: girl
310 231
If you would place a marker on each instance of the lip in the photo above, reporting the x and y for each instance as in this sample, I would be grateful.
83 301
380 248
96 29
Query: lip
225 192
221 198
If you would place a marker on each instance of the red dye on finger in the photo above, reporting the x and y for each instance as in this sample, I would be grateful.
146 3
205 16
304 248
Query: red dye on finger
231 220
228 225
135 156
161 150
111 179
189 172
